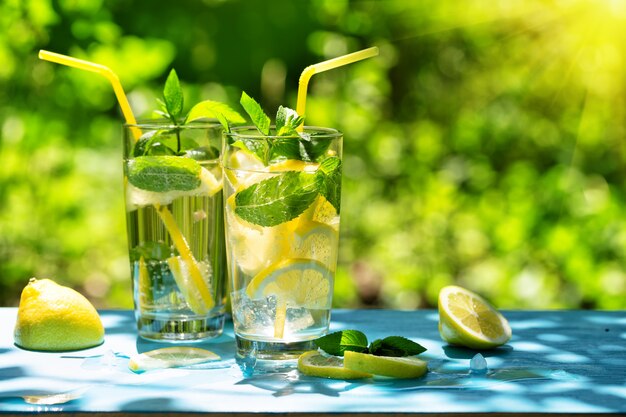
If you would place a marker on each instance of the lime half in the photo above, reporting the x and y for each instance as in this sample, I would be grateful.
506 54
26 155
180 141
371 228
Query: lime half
467 319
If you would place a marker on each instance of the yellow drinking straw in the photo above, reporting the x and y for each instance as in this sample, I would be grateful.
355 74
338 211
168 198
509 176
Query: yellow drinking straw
164 213
340 61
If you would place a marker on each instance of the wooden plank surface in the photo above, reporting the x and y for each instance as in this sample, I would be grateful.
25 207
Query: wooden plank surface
557 362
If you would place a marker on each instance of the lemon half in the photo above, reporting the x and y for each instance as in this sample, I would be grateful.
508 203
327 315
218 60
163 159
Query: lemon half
52 317
467 319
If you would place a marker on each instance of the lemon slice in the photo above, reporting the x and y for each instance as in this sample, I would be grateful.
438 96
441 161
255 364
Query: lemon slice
197 294
405 367
209 184
253 247
313 363
170 358
466 319
294 165
317 241
299 282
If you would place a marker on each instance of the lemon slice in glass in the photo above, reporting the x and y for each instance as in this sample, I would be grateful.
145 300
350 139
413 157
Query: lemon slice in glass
394 367
297 282
294 165
317 241
170 358
315 364
467 319
197 293
254 247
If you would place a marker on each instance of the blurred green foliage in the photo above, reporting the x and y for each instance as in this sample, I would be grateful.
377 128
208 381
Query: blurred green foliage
485 146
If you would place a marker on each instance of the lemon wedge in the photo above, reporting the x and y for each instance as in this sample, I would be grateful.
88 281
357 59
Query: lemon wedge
467 319
299 282
197 294
171 357
313 363
52 317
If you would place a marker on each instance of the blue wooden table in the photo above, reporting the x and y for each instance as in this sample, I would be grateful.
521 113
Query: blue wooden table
556 362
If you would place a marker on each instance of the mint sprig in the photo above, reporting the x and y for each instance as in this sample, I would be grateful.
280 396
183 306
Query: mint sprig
338 343
287 195
294 145
171 107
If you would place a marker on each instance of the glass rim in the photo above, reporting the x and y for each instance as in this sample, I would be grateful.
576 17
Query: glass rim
327 132
167 124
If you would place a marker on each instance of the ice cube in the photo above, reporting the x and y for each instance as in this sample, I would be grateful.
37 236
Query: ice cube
478 365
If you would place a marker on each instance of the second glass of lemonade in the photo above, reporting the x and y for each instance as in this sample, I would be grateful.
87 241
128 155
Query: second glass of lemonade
282 232
174 213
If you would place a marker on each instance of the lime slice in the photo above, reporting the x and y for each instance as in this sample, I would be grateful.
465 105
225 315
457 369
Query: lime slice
299 282
313 363
317 241
466 319
170 358
394 367
196 293
164 173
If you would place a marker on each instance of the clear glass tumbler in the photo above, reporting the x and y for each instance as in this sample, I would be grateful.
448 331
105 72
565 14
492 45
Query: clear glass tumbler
174 213
282 204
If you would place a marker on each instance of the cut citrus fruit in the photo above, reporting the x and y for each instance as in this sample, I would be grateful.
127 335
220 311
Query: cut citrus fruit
317 241
170 358
394 367
467 319
209 183
294 165
313 363
254 247
300 282
197 294
52 317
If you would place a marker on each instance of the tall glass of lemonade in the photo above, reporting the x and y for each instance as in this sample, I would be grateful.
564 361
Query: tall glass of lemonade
282 203
174 212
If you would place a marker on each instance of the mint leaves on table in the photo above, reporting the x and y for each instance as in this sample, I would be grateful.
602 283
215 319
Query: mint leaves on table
285 196
354 340
171 108
284 141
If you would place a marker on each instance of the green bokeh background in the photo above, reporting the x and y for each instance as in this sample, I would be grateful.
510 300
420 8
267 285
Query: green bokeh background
484 146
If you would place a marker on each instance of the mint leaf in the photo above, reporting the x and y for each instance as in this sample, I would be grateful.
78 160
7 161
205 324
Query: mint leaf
163 173
287 120
211 110
395 346
339 342
259 148
312 148
173 96
328 180
256 113
276 200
